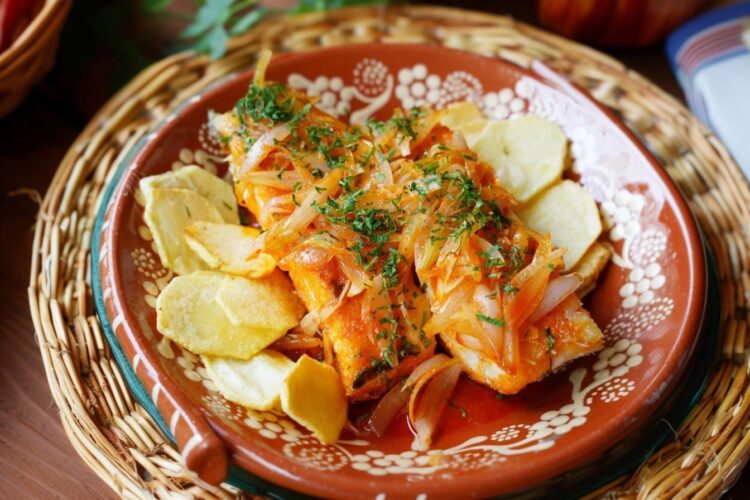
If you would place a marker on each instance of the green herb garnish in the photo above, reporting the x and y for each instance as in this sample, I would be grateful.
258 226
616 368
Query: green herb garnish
489 319
550 340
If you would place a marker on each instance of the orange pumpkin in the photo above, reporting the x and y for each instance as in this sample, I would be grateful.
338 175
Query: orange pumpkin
616 23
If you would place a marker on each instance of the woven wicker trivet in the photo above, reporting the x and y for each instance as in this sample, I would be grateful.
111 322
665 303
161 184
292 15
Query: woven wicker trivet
123 445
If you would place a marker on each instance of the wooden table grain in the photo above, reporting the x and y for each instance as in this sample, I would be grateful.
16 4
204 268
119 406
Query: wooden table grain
36 458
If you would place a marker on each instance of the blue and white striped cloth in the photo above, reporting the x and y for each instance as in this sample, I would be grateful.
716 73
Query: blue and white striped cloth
711 57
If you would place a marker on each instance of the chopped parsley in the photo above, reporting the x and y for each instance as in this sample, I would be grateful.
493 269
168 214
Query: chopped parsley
492 321
390 268
550 340
267 102
374 225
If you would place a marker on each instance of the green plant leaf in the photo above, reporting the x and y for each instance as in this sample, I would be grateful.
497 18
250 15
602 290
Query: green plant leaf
323 5
210 14
240 5
217 42
248 20
154 6
215 20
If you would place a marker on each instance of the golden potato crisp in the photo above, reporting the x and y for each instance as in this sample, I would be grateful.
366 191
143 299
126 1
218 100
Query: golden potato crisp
268 302
255 383
568 213
217 191
225 247
313 396
187 312
168 212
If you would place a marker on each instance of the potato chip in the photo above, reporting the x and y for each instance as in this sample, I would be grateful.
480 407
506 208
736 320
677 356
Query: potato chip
168 212
458 115
187 313
314 397
225 247
472 133
255 383
217 191
268 302
568 213
527 153
591 266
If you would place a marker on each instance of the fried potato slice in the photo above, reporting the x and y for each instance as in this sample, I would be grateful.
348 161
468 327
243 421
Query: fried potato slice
187 313
313 396
225 247
217 191
168 212
472 133
268 303
568 213
591 266
255 383
527 153
466 118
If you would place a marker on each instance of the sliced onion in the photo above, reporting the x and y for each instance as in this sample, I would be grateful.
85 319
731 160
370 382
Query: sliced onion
388 407
282 204
315 162
287 179
489 307
448 257
449 252
292 341
517 311
305 213
424 415
446 285
557 291
349 426
260 149
543 256
486 247
309 323
384 168
259 76
424 367
469 341
458 141
355 290
487 345
312 256
331 308
404 145
444 317
425 254
356 275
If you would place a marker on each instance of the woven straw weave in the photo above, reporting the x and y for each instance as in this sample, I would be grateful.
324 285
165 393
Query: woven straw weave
31 56
120 441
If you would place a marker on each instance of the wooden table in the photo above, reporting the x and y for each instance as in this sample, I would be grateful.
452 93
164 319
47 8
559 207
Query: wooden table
37 461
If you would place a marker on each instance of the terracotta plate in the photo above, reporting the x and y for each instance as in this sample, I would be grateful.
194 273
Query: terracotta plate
649 302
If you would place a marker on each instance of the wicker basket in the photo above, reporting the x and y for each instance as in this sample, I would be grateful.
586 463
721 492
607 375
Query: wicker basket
31 56
120 441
